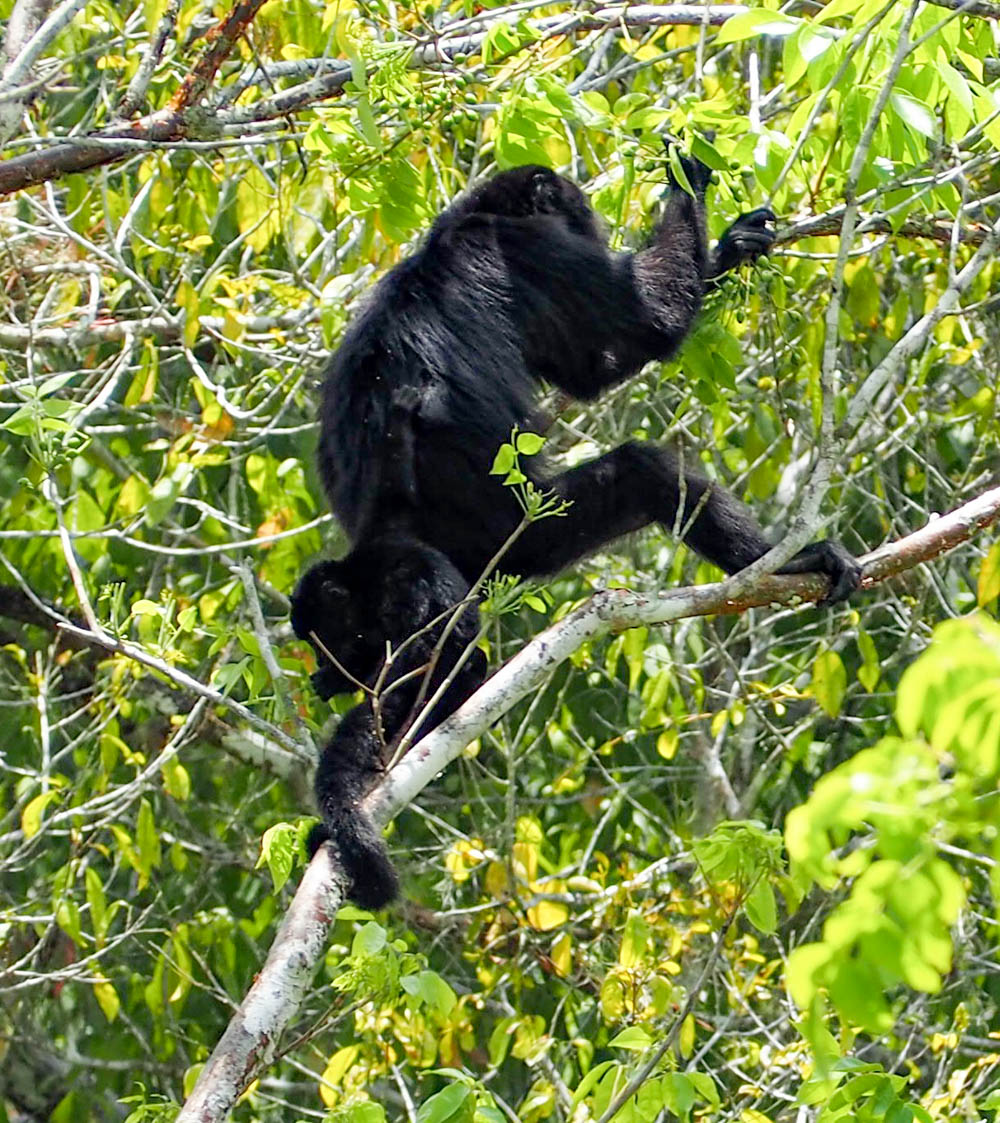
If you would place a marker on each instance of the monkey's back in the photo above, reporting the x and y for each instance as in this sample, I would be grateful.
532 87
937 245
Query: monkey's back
440 323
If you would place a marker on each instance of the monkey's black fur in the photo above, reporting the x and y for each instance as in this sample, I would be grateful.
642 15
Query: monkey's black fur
392 589
514 285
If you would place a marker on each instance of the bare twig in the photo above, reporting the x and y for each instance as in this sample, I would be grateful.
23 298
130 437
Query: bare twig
938 230
136 91
181 119
18 66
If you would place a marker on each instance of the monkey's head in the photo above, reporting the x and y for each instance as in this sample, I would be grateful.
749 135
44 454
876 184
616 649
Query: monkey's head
532 190
331 610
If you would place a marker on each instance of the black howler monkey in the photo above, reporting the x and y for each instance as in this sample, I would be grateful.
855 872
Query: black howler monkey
514 285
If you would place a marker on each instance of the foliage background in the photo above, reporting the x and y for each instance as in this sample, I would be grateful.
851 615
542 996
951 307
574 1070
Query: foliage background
164 322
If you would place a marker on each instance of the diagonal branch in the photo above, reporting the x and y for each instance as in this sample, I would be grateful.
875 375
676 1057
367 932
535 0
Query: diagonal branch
181 119
251 1039
220 41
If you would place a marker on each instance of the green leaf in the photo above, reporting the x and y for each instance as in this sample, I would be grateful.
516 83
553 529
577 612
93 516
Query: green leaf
988 585
146 608
98 904
758 21
705 1087
503 461
837 8
761 907
68 918
147 840
367 125
870 670
677 170
176 780
634 940
369 940
24 421
430 988
31 816
162 497
529 443
636 1038
678 1093
957 85
54 383
107 999
591 1079
914 113
454 1103
257 213
278 847
829 681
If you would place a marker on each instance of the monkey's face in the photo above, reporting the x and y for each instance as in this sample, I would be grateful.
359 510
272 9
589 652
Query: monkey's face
336 620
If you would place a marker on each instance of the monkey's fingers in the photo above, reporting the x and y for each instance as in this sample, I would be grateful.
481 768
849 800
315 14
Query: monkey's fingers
831 559
760 217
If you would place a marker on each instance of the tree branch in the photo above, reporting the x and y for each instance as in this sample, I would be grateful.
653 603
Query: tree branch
24 21
937 229
29 50
220 41
250 1040
256 746
181 119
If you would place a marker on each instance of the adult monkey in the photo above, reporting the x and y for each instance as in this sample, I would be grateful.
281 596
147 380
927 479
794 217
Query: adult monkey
514 285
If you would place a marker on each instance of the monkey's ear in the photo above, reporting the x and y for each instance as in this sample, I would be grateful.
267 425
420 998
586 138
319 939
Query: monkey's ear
545 192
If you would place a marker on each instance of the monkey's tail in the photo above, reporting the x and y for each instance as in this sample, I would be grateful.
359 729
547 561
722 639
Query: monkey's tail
362 850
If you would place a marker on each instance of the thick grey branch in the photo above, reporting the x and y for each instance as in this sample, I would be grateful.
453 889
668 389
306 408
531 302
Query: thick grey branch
249 1040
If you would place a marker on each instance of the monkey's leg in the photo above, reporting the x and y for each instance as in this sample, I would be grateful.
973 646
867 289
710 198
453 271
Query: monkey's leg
637 484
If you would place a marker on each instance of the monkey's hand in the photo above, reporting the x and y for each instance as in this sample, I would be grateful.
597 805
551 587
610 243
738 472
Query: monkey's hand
830 558
748 237
698 175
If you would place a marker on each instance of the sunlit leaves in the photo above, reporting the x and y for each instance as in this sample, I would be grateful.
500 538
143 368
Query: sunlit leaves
258 215
758 21
829 681
278 849
952 695
895 925
431 989
107 999
31 816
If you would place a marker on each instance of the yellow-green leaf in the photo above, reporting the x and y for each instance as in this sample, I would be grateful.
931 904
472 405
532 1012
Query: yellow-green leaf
829 681
988 586
107 999
31 816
